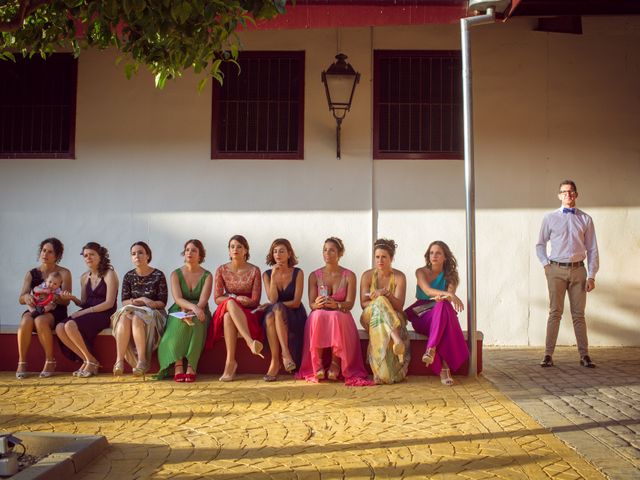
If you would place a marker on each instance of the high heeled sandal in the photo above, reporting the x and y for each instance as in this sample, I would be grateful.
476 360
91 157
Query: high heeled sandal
178 376
289 365
118 368
445 377
190 377
398 351
141 368
90 370
80 370
23 373
333 373
46 373
230 377
256 347
320 374
429 356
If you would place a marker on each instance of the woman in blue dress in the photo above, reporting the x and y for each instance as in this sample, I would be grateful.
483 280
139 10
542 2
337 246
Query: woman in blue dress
285 316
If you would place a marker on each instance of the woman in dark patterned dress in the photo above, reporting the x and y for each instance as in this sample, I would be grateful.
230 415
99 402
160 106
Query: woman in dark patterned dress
99 287
51 250
285 316
138 325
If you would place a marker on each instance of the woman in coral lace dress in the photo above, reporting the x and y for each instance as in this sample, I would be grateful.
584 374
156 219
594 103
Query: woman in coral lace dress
237 290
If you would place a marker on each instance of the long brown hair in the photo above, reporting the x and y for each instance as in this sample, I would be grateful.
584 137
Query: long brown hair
293 260
450 266
105 263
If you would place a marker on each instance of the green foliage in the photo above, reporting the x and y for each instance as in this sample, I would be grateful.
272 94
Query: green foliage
166 36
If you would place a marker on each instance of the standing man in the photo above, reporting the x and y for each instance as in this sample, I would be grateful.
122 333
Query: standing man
573 238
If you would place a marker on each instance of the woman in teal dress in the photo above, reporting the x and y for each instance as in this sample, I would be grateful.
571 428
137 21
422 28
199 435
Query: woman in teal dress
184 337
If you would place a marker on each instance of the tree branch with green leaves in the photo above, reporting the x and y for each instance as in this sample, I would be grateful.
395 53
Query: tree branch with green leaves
167 37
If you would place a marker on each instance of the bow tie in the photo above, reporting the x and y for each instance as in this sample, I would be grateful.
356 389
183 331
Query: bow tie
569 210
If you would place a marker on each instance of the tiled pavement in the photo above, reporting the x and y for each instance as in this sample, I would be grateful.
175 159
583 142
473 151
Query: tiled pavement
291 429
596 411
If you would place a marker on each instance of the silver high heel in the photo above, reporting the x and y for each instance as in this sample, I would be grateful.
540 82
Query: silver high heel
23 374
80 370
45 373
118 368
90 371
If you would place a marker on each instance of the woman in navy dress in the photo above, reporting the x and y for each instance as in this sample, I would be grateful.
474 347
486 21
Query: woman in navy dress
285 316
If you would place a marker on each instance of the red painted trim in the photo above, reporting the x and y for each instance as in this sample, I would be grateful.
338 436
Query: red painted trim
325 16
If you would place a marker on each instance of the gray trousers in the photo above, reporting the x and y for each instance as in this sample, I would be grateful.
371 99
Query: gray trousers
571 280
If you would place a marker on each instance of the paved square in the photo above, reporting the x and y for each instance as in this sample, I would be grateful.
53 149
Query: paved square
291 429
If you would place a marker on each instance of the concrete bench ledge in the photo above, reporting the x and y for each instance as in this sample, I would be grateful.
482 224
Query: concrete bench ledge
211 361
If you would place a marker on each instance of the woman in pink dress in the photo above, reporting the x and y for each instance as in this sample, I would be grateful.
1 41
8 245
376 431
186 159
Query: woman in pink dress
434 313
332 293
237 289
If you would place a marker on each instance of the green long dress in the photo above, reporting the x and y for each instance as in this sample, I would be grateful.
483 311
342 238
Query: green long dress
181 340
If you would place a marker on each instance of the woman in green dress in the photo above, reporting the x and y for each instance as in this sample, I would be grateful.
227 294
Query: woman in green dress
382 292
185 332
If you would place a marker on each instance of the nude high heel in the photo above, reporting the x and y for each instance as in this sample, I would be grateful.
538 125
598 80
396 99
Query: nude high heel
256 347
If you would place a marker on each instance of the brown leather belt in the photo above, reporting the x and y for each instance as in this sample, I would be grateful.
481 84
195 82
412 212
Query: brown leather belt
569 264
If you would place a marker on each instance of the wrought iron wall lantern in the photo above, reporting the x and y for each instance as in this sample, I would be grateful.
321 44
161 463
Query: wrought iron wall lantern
340 81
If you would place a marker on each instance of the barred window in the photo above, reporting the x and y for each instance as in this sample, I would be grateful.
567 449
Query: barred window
417 105
38 107
259 113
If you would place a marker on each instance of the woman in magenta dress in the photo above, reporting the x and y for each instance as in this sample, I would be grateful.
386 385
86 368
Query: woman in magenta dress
434 313
99 286
332 293
237 290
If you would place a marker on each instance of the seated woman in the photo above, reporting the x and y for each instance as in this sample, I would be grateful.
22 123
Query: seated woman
142 316
382 292
434 314
50 253
188 317
332 292
99 287
237 293
285 316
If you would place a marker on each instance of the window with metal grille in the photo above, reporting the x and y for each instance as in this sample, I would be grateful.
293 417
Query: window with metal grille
417 105
38 107
259 112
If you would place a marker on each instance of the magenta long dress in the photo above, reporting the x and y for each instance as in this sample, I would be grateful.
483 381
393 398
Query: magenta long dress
441 326
336 330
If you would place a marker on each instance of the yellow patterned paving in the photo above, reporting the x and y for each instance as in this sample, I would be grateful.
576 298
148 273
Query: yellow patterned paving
290 429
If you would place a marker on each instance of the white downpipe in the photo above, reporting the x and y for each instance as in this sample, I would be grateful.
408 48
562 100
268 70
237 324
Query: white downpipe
470 182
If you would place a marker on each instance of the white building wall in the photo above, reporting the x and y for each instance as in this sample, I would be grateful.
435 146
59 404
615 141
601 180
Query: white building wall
547 107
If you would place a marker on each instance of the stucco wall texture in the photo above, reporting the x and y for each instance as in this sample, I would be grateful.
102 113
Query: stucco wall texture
547 107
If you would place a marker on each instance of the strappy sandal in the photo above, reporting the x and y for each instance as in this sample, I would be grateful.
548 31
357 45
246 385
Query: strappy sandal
178 376
190 377
333 373
23 373
429 356
80 370
289 365
46 373
445 377
256 347
398 350
320 374
141 368
118 368
90 370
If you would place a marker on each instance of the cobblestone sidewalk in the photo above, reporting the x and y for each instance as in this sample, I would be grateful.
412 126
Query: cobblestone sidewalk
596 411
291 429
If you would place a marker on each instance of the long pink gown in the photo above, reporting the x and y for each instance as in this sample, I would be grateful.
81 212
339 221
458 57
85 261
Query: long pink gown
336 330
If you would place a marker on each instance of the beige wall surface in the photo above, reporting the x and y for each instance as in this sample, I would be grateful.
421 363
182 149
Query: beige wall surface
547 107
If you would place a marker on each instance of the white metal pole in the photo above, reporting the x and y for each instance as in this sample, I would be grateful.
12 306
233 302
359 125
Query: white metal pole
469 181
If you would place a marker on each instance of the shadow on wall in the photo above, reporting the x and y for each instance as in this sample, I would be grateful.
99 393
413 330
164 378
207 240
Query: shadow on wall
622 299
